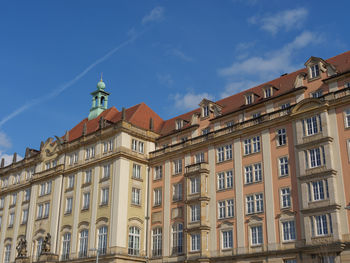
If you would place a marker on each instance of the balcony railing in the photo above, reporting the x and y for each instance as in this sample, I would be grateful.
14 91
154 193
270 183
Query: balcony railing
196 167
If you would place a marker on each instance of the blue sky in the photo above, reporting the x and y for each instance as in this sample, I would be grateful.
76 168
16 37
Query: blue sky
168 54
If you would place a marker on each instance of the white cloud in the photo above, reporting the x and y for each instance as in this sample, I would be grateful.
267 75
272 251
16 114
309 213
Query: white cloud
5 141
5 144
165 79
156 14
189 101
238 86
272 63
178 53
287 20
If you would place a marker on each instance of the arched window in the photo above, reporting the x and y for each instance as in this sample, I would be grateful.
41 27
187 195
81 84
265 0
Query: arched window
7 253
102 240
84 238
66 246
177 230
134 241
157 241
96 101
102 101
39 245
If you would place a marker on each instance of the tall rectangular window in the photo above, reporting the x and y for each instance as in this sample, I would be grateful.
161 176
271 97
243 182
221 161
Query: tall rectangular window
11 219
46 210
321 225
318 190
225 209
312 125
314 71
177 166
195 242
195 213
347 118
254 203
69 205
88 176
135 196
158 172
195 185
66 246
7 255
106 171
288 230
71 179
283 165
157 241
252 145
83 243
281 137
177 192
86 201
26 195
256 235
102 240
227 239
136 171
199 157
285 198
157 196
24 216
104 196
315 157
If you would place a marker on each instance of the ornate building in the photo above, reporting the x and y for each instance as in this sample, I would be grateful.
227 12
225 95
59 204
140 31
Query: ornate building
259 176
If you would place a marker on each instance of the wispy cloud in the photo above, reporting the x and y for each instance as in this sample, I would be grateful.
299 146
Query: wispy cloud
190 100
156 14
272 63
68 84
178 53
165 79
287 20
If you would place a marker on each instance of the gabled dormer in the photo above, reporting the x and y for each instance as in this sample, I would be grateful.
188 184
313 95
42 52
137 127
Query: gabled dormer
299 80
268 91
208 107
250 98
315 66
179 123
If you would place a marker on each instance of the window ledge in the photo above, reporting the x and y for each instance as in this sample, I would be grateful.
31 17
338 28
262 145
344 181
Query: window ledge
67 213
136 205
137 179
104 204
84 209
103 179
85 185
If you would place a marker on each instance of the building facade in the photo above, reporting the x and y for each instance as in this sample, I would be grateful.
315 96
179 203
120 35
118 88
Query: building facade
260 176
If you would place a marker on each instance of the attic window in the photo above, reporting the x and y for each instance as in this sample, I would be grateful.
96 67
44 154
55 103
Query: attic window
205 111
179 124
268 92
248 99
314 71
316 94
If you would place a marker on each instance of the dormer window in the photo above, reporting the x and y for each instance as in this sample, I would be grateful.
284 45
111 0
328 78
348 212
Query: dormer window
316 94
179 124
249 99
205 111
268 92
314 71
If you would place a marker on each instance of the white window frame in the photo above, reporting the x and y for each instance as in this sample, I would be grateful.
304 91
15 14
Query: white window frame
205 111
195 213
157 241
135 196
88 176
347 118
105 196
288 230
225 209
281 137
134 241
283 165
256 235
69 205
315 157
227 239
177 191
318 190
286 198
158 172
314 71
199 157
136 171
252 145
254 203
177 166
157 197
195 183
195 242
253 173
321 225
312 125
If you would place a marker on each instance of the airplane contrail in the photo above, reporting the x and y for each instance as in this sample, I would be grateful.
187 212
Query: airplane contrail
63 87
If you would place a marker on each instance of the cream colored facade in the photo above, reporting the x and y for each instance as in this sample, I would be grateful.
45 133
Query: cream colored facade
266 182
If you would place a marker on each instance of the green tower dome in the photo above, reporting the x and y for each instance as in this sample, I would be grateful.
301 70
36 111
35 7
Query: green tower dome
101 85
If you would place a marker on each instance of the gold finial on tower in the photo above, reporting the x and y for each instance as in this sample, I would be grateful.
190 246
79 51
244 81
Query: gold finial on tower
101 80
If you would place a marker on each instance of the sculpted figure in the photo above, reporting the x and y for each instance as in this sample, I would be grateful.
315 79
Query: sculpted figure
21 248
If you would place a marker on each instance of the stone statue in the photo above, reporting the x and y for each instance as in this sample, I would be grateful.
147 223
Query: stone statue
21 248
46 246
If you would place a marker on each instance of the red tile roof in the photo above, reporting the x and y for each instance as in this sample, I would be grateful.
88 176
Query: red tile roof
140 114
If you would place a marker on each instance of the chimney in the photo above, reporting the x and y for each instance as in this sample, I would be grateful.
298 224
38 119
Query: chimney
151 124
66 137
123 113
2 162
84 129
14 158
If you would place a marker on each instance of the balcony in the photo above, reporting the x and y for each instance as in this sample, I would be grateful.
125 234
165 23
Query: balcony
196 168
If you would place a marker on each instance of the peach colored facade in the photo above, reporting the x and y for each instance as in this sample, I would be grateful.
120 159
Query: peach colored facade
260 176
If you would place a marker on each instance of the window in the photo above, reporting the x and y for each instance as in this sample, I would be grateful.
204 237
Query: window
268 92
134 241
195 213
135 196
158 172
252 145
71 179
253 173
347 118
40 211
24 216
102 240
327 259
46 210
224 153
177 166
195 185
157 196
205 111
26 195
106 171
290 260
199 157
256 235
318 190
137 146
281 137
39 245
315 157
73 158
136 171
195 242
90 152
177 232
69 204
225 180
254 203
177 192
86 201
205 131
11 219
248 99
104 196
226 209
2 202
7 255
157 242
107 146
14 199
227 239
88 176
285 198
179 124
66 246
283 165
47 165
288 230
256 115
316 94
312 125
0 222
285 106
83 243
314 71
321 225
